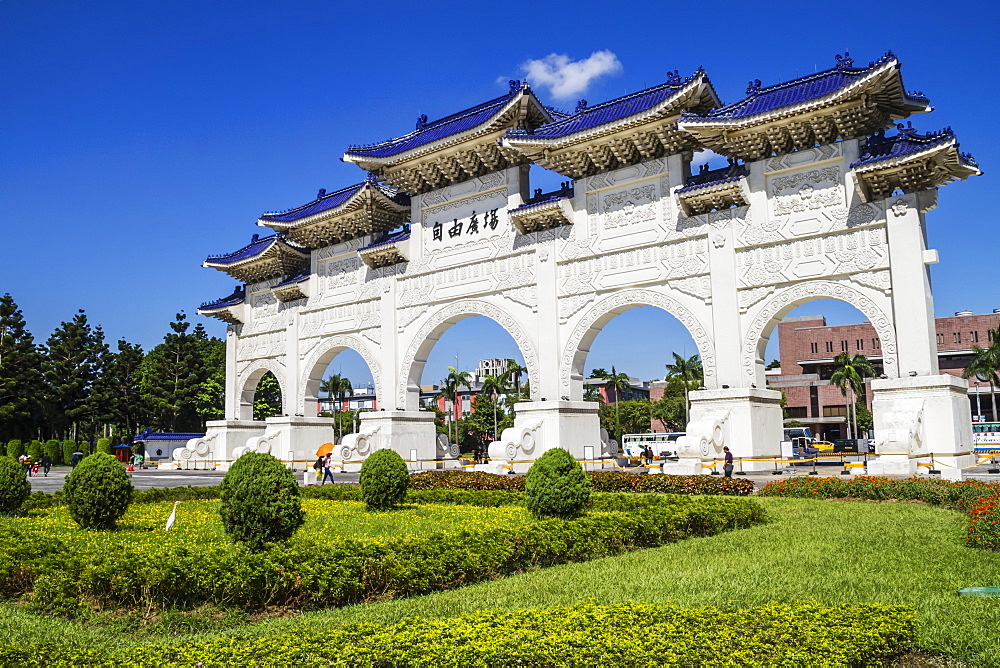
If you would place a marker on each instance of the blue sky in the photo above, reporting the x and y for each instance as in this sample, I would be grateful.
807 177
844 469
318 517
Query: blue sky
138 138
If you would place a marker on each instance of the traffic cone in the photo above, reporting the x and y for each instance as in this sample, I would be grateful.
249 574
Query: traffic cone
131 468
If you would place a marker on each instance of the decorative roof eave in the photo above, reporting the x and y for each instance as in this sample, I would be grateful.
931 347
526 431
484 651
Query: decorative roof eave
272 257
392 249
934 166
228 309
529 218
292 288
370 210
523 107
868 104
715 196
649 134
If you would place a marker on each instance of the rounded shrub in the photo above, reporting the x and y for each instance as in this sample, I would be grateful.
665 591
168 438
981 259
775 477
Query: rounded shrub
98 492
14 485
556 486
260 501
68 448
54 451
35 450
384 480
15 448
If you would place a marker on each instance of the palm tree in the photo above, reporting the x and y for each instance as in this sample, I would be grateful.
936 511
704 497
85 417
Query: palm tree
690 371
618 383
339 386
512 376
449 390
494 385
984 364
591 393
849 375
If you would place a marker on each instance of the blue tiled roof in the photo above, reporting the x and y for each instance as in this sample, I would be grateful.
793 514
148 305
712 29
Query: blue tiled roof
167 436
713 177
389 238
565 192
255 247
606 112
427 133
326 201
238 296
907 142
297 277
814 86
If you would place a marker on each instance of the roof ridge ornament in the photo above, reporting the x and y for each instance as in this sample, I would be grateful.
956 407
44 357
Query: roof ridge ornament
580 106
515 85
906 130
673 78
321 194
845 62
372 177
753 87
421 121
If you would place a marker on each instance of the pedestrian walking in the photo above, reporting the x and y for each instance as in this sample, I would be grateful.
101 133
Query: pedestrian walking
327 473
46 464
728 466
23 461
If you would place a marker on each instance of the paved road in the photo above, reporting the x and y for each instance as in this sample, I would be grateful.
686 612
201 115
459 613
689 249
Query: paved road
170 477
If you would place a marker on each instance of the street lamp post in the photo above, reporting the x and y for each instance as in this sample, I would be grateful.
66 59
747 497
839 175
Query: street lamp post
979 409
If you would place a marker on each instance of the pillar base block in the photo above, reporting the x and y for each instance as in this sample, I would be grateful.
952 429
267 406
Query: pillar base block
543 425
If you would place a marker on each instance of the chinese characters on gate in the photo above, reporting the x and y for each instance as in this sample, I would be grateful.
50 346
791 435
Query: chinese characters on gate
472 227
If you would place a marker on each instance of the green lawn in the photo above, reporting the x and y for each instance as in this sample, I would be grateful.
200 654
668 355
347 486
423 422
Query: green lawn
828 551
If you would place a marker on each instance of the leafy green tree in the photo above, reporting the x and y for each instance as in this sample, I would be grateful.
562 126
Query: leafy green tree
20 372
984 365
849 375
863 416
172 374
493 387
267 397
73 356
592 393
692 375
511 377
773 364
631 416
487 418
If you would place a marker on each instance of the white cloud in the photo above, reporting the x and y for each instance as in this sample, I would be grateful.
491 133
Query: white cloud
567 78
706 156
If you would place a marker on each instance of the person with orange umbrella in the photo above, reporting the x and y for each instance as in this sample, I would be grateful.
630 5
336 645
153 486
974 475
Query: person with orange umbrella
327 473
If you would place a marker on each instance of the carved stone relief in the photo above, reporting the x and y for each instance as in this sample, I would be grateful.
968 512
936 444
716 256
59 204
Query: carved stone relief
794 295
799 158
806 191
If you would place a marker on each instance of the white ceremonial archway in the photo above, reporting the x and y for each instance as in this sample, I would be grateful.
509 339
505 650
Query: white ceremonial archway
319 359
249 379
438 323
600 314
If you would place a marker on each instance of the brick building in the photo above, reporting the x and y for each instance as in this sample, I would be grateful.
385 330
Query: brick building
808 346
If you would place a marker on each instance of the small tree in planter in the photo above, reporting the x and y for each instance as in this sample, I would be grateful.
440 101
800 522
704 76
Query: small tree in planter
98 492
384 480
260 501
14 486
556 486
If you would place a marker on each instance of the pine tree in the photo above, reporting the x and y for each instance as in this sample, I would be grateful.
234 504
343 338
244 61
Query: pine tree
72 362
20 372
117 389
173 372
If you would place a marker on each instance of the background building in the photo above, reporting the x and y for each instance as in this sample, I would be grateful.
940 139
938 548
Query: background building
808 346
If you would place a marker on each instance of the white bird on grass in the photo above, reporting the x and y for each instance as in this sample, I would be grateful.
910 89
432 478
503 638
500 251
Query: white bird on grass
173 516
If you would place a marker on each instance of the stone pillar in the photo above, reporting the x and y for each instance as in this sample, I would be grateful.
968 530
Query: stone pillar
233 393
748 420
920 417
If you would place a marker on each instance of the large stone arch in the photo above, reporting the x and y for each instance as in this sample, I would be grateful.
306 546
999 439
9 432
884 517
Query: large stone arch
321 356
247 384
784 300
416 355
594 320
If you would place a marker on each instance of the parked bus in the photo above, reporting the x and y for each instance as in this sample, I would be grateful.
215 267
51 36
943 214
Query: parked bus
661 443
986 436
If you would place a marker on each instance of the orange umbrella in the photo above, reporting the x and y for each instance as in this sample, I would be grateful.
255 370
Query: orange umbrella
324 449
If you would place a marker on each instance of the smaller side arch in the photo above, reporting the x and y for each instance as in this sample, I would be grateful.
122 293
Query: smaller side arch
783 301
424 340
247 384
320 357
590 325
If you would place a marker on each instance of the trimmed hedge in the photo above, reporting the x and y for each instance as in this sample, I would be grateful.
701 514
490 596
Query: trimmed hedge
586 634
344 571
471 480
980 500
